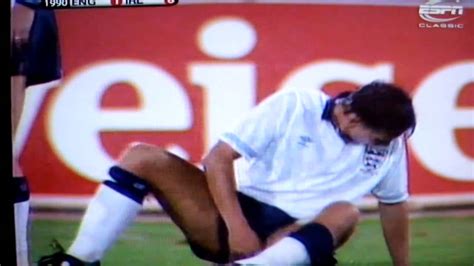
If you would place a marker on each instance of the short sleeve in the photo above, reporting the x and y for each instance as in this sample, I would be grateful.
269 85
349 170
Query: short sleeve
393 188
262 125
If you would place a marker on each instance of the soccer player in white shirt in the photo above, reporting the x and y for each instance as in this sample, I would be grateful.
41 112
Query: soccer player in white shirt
308 158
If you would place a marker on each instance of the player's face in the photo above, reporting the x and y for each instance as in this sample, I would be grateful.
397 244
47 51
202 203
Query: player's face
360 134
352 130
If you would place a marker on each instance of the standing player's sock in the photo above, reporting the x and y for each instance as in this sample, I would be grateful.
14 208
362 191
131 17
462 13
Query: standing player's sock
287 251
22 211
114 206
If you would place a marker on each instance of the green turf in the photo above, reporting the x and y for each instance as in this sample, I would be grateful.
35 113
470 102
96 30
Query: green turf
435 241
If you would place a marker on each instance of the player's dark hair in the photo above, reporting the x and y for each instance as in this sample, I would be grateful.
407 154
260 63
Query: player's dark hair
384 107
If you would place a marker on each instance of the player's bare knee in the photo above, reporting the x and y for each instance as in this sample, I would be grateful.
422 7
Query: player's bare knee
344 210
141 157
340 218
353 214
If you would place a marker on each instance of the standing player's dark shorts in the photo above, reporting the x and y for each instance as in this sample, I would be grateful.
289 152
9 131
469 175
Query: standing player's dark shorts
40 59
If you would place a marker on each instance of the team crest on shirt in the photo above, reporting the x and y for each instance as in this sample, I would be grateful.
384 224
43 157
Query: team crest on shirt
374 157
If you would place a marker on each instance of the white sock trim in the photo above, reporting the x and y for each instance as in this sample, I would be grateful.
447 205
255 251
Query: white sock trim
22 212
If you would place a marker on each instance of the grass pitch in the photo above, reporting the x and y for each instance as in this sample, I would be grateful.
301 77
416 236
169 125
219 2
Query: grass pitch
435 241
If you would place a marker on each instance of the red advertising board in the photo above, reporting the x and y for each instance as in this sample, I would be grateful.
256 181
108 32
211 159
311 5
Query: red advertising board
178 76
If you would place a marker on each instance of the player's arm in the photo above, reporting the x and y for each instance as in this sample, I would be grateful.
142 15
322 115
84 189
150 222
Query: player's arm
392 193
395 224
249 138
220 176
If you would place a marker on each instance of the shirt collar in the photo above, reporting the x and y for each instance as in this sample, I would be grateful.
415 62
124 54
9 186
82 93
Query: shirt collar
328 110
327 115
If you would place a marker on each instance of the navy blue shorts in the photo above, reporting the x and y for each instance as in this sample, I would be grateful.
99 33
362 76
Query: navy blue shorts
40 59
264 219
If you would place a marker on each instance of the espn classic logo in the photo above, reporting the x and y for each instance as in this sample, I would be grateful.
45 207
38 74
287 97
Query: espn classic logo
441 14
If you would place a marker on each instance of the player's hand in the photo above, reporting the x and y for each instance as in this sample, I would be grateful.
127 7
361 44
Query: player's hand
243 242
22 19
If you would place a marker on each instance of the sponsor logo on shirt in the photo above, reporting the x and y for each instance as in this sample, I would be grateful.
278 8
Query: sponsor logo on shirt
304 141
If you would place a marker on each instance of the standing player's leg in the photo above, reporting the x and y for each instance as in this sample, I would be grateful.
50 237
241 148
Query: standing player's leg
179 186
35 59
22 19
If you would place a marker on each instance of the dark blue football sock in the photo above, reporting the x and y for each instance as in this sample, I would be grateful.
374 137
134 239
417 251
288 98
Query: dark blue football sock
21 188
127 184
318 242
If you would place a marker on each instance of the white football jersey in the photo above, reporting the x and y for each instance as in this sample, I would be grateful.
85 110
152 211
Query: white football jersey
295 159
